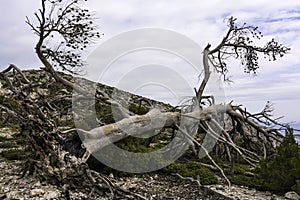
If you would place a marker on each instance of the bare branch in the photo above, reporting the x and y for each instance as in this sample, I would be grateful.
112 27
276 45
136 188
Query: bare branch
238 42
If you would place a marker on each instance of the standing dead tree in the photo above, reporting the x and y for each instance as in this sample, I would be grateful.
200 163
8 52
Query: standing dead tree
239 43
74 30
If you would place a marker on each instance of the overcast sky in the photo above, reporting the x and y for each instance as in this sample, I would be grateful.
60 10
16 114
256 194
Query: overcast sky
200 21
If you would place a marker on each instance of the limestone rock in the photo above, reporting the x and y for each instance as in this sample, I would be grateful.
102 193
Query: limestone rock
51 195
292 195
36 192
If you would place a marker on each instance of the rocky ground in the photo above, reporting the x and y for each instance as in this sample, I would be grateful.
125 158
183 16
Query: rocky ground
152 186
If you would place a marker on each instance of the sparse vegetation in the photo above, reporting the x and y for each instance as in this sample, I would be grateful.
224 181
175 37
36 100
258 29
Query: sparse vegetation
8 144
296 187
192 169
139 110
45 119
15 154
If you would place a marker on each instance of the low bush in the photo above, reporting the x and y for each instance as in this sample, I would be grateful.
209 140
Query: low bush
281 173
192 169
14 154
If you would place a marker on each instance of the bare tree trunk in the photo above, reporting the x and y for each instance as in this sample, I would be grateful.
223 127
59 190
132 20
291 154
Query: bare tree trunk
206 73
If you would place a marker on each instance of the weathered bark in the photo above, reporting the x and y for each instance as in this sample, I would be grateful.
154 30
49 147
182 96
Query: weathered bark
141 124
199 93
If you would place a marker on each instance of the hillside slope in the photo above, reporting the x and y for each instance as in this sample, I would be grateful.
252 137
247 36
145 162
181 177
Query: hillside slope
42 90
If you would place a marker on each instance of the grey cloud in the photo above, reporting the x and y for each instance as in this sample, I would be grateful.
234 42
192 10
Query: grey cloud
202 21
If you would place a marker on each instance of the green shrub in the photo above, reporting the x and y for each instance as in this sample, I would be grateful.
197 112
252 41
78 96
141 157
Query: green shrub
296 187
11 142
133 144
245 181
8 144
105 113
139 110
14 154
3 139
192 169
10 103
281 173
239 169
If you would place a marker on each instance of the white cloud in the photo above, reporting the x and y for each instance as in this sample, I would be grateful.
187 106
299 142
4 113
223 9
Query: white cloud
202 21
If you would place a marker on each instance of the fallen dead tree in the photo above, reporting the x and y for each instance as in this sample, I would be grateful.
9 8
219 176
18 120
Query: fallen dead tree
39 115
